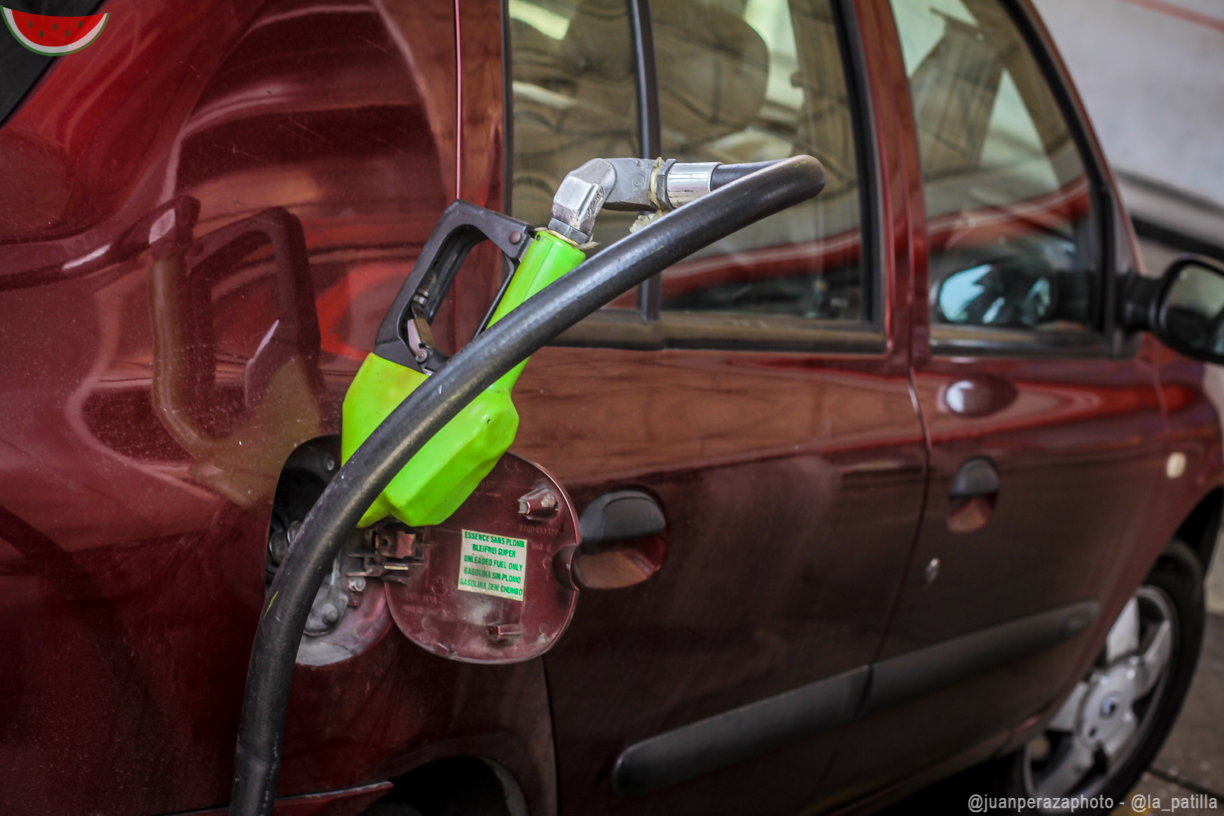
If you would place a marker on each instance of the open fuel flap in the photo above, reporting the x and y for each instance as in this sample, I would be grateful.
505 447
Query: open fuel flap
490 584
481 587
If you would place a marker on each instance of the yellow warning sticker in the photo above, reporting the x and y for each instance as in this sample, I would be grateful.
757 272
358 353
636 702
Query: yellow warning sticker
493 564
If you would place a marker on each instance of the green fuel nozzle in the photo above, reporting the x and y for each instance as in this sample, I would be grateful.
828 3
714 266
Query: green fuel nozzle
449 467
445 472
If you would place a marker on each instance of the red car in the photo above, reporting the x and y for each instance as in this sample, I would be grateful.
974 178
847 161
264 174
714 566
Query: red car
888 485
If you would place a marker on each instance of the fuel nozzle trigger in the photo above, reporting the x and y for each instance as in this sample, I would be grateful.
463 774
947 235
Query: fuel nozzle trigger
404 336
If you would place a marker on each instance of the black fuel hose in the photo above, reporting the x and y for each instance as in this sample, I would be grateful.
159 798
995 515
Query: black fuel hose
724 174
426 410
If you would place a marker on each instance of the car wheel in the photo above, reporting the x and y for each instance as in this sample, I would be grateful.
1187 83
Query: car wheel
1115 720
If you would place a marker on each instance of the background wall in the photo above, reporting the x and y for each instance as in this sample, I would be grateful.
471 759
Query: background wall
1152 75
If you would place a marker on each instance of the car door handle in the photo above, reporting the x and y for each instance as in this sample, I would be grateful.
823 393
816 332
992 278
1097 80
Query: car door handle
619 516
972 496
975 477
624 539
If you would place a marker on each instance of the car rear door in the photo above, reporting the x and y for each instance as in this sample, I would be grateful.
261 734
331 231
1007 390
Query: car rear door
758 393
1043 425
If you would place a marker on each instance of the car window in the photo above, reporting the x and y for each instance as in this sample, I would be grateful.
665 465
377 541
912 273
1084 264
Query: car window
1008 200
574 98
753 81
20 67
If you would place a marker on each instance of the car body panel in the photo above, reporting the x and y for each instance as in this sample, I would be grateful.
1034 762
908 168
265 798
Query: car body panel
132 588
767 465
1079 443
132 551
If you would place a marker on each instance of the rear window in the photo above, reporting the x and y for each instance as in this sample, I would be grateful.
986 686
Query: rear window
20 67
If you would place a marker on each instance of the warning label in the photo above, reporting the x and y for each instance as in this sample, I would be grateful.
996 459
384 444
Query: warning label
493 564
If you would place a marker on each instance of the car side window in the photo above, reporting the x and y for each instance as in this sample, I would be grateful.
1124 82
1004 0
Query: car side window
1008 199
755 81
574 98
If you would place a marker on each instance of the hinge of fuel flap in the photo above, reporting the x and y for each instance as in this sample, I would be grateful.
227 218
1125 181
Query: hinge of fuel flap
388 551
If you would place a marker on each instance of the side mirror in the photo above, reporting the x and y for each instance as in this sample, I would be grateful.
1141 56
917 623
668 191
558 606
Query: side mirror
1184 308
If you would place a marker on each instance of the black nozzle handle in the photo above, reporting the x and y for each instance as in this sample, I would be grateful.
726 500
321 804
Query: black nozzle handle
461 227
425 411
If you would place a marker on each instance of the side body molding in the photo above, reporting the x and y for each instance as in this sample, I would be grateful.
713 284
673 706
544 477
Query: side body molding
911 675
739 734
766 725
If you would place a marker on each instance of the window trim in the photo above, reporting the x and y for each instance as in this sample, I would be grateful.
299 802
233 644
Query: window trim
627 329
649 327
991 341
650 128
866 135
1104 195
945 340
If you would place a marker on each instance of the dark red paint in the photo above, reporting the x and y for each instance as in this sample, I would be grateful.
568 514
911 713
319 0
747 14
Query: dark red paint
132 563
805 492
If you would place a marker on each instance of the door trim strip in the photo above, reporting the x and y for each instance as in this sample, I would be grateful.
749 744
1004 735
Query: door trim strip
775 722
742 733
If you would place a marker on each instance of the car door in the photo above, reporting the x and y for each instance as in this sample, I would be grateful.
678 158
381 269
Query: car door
758 393
1042 429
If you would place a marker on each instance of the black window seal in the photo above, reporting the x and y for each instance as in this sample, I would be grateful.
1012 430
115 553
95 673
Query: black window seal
865 135
507 115
650 130
1103 234
1106 199
714 331
7 116
1103 198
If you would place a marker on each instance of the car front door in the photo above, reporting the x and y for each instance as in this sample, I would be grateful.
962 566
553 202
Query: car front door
757 394
1043 432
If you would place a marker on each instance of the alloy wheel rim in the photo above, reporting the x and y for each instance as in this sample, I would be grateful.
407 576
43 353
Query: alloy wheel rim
1110 712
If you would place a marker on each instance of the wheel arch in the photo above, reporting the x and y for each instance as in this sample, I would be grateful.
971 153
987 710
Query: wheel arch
1201 527
458 783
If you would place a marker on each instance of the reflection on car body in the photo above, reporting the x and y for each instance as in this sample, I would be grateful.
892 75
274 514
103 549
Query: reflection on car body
902 456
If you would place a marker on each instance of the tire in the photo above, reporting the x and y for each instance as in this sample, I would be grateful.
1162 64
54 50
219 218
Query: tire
1089 749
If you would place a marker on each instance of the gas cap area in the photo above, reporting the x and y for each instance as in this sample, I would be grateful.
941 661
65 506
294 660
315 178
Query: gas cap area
349 614
483 588
489 585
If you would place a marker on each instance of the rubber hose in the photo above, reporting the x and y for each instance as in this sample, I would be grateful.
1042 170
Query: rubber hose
724 174
594 283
